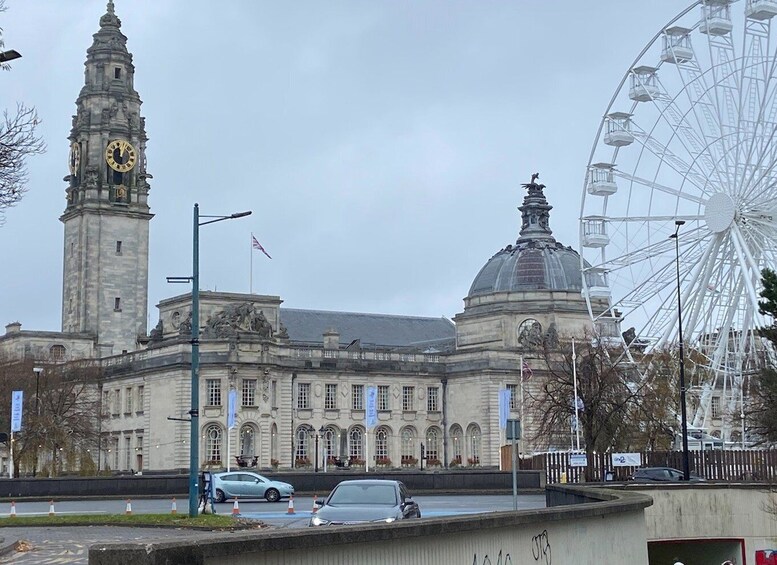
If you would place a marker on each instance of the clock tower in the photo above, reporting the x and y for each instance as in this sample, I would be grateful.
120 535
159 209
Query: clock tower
106 218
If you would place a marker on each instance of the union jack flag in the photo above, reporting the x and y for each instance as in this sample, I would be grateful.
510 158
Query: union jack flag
256 245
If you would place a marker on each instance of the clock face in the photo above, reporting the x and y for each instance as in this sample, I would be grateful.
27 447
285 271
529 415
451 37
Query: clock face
120 155
74 159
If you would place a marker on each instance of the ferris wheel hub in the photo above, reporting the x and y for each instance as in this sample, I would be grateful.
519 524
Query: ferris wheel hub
720 212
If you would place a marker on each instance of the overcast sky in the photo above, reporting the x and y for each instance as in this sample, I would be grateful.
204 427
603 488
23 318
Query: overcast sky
380 145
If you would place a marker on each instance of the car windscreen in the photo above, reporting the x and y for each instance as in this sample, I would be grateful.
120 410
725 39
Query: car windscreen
364 494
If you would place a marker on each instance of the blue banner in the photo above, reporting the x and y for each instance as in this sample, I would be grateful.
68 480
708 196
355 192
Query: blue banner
371 415
231 408
504 407
16 410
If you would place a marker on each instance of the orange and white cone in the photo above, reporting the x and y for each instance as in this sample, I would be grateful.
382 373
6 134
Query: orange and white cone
173 507
128 509
51 508
235 508
13 510
291 505
315 508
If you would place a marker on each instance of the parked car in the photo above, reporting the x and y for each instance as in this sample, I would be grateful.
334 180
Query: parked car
245 484
661 474
363 501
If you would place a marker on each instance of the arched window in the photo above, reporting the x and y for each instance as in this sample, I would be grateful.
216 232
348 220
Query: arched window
457 439
248 442
407 437
473 438
433 446
302 454
382 456
213 436
356 444
330 443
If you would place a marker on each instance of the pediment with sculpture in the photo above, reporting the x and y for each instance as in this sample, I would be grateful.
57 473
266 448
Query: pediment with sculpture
237 318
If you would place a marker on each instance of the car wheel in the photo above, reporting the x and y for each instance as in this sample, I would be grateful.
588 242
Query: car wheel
220 497
418 514
272 495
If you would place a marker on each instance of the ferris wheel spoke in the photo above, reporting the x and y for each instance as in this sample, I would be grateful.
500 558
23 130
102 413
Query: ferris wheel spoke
660 187
676 163
705 265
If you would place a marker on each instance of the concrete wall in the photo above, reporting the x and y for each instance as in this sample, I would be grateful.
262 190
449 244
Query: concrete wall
606 524
713 512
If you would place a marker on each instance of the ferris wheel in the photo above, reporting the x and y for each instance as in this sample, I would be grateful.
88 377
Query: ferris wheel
688 146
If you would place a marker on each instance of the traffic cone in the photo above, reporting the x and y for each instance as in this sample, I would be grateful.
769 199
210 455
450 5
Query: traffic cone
291 505
128 510
51 508
315 508
13 509
235 508
173 508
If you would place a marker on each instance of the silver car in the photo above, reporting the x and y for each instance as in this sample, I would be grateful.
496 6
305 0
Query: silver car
244 484
363 501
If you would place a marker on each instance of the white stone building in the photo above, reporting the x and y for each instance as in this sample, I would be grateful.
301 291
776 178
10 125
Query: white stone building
300 375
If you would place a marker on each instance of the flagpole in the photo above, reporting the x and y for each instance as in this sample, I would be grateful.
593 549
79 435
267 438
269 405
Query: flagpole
251 274
574 376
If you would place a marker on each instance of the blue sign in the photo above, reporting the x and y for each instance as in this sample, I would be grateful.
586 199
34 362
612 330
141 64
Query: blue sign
231 408
16 410
371 416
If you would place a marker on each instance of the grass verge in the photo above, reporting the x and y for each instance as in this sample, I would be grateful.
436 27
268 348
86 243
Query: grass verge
203 521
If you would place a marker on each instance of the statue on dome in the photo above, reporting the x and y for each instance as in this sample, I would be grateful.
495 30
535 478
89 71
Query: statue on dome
532 186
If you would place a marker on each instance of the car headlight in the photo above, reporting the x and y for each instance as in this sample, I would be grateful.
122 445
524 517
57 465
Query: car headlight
316 521
389 520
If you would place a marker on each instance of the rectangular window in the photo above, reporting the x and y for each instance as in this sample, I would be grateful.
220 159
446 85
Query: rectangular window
117 72
433 399
384 402
140 398
330 400
118 248
116 453
128 400
116 407
117 304
274 394
357 397
106 407
715 407
408 392
515 399
249 392
213 387
128 452
303 396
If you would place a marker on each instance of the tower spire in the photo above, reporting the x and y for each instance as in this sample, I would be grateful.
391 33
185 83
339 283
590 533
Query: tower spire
535 213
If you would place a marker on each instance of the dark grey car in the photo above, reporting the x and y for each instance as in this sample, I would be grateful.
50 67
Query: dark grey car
363 501
661 474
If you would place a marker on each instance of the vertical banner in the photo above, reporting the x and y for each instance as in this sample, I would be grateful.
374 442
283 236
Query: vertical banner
16 410
371 401
504 407
232 408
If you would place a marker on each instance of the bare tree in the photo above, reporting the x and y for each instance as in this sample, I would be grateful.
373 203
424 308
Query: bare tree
18 140
607 391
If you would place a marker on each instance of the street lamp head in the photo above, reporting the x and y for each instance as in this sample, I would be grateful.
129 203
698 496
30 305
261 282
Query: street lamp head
322 430
241 214
9 55
37 370
679 222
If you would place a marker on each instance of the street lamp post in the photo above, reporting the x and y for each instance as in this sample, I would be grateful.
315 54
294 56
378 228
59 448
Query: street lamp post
683 411
194 412
316 452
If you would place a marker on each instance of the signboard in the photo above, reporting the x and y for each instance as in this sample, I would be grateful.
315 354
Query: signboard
371 414
513 429
16 410
578 460
626 460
